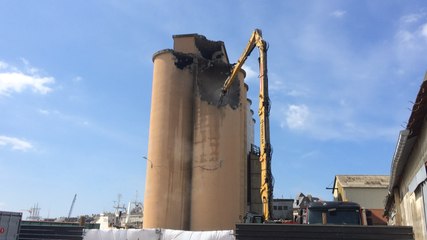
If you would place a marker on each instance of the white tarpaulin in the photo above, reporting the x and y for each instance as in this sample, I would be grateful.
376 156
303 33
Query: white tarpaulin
121 234
156 234
193 235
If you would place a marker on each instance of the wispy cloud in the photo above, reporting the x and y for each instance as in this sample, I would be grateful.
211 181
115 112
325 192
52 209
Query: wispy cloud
43 111
413 17
323 123
339 13
251 74
64 117
296 116
14 80
77 79
342 105
294 93
410 40
15 143
424 31
412 29
3 65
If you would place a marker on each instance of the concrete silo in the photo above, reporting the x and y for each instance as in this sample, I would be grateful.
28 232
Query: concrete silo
167 193
196 168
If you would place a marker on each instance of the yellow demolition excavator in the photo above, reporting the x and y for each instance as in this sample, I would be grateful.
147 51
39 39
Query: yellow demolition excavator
266 189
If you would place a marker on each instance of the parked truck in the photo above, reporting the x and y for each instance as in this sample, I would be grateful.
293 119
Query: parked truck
9 225
327 212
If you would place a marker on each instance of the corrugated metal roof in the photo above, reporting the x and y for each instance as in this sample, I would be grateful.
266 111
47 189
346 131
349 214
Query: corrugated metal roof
419 110
364 181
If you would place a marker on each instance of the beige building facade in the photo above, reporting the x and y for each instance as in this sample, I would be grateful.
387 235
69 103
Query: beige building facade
369 191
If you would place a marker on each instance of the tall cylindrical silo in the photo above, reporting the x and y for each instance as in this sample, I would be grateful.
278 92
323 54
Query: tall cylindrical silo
219 160
196 167
168 178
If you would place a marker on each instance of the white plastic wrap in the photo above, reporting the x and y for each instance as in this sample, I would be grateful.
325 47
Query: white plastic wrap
157 234
196 235
121 234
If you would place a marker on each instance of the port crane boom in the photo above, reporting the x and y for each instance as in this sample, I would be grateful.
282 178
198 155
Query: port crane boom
72 206
266 188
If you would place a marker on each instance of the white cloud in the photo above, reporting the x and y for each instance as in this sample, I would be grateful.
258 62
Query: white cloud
340 84
3 65
15 143
333 122
77 79
424 31
294 93
12 80
405 37
17 82
276 85
44 112
52 113
410 42
296 116
338 13
412 28
413 17
30 69
250 73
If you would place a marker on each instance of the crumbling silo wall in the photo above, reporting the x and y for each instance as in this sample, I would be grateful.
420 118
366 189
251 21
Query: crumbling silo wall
219 173
168 179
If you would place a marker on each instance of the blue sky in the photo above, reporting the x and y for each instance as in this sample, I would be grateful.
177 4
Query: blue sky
75 90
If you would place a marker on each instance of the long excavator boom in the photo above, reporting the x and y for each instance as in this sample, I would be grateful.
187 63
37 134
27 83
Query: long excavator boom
266 188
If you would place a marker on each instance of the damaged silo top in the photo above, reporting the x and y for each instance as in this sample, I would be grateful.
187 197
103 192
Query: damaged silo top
209 63
200 45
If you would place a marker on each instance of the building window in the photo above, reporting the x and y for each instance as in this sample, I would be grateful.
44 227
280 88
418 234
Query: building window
280 207
274 207
285 207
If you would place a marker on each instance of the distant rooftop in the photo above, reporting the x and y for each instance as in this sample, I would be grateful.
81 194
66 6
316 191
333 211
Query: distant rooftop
363 181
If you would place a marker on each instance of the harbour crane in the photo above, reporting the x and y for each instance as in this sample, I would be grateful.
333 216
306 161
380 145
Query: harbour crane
72 206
